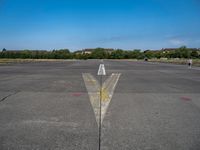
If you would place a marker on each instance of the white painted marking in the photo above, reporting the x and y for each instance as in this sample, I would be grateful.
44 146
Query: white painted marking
109 85
107 91
195 68
102 70
92 86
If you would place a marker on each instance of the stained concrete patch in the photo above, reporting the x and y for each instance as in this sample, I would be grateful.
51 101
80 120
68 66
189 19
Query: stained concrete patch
151 121
45 120
49 112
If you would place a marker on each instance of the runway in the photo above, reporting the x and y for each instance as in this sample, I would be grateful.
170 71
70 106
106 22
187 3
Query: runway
148 106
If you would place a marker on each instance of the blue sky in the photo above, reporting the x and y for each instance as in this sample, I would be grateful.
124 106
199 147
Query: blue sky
78 24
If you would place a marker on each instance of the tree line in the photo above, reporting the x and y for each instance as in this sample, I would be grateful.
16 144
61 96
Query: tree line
102 53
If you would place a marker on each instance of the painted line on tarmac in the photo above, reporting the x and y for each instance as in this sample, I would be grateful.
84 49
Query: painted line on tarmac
175 65
94 90
92 87
101 70
108 90
195 68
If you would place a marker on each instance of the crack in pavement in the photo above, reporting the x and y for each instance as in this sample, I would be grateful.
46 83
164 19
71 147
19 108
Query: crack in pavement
4 98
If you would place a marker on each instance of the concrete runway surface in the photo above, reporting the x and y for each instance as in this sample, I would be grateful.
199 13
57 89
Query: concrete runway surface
46 106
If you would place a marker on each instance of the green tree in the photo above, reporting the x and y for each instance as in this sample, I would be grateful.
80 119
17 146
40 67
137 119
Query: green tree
118 54
136 54
182 52
149 54
194 54
98 53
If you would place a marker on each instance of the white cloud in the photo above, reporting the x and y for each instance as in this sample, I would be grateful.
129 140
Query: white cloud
177 42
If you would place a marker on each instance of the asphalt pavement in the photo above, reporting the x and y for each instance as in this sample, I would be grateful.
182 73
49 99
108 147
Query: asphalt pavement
47 106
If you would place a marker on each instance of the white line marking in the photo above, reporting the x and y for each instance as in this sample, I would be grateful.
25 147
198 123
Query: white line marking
101 70
109 85
107 91
195 68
